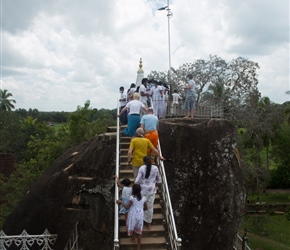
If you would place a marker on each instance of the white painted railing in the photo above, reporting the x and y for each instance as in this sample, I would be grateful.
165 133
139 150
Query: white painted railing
73 242
177 110
175 241
116 216
25 241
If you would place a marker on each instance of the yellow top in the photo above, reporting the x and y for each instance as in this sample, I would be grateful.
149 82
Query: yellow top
139 146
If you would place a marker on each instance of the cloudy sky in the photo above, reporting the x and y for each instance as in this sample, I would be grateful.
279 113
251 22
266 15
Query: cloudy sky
57 54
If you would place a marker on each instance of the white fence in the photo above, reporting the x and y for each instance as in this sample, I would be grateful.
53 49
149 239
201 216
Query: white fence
24 241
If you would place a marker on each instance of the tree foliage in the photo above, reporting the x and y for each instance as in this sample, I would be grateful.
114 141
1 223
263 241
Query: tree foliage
38 145
6 101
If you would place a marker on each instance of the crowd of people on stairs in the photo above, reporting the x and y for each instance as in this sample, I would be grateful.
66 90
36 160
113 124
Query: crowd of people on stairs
142 122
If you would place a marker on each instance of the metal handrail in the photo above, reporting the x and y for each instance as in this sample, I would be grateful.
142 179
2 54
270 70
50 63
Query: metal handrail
72 243
116 219
175 241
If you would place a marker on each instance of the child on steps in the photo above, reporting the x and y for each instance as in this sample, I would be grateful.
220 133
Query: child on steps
126 193
137 205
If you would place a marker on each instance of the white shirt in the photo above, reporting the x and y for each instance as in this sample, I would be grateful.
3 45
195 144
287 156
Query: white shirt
156 93
175 97
142 98
123 96
134 107
126 192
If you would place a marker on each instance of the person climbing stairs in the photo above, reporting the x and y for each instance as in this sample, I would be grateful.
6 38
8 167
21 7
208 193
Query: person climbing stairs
153 238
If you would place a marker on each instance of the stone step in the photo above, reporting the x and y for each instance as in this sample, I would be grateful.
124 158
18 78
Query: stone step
146 243
156 230
126 173
84 178
125 145
156 220
124 151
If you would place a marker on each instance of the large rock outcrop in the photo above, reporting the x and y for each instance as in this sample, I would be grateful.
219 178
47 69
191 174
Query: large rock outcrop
53 203
205 181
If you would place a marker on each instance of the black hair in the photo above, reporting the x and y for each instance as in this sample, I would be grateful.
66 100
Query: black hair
137 89
190 76
133 85
175 91
136 191
126 182
144 80
148 164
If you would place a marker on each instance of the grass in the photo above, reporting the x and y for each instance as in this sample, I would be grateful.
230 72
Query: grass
266 232
270 198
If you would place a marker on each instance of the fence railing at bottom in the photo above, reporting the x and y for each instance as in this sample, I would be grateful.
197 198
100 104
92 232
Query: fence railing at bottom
73 242
25 241
242 242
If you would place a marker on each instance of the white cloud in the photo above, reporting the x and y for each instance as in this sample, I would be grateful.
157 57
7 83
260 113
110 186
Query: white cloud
58 54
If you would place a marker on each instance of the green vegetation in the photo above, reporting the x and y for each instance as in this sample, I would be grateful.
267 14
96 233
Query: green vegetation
270 198
267 232
37 145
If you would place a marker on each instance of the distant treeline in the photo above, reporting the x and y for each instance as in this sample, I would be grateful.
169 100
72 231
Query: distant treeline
60 116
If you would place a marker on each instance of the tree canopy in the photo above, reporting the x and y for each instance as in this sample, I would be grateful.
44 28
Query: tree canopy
6 101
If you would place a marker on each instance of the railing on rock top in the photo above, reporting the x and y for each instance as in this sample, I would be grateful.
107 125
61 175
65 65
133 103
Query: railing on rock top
177 110
25 241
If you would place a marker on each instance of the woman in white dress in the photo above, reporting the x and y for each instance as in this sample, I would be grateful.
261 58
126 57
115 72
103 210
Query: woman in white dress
148 177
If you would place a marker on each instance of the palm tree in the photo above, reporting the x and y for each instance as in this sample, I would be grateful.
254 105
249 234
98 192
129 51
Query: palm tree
5 101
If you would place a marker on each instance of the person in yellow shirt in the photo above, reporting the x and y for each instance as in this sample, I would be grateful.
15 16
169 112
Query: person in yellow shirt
138 149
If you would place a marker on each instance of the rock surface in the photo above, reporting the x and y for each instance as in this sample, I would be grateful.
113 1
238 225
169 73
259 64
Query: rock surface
52 202
205 181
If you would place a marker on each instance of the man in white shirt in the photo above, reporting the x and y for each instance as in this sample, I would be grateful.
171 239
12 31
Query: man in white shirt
123 102
143 93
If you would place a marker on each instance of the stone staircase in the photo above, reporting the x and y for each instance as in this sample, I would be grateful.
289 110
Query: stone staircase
151 239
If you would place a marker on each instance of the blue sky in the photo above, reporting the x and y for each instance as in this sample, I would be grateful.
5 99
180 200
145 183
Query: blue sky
57 54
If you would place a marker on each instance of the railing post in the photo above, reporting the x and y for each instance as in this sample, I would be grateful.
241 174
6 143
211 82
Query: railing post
179 243
245 239
116 244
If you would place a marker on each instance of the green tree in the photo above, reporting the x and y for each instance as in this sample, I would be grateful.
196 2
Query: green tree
281 146
236 79
6 101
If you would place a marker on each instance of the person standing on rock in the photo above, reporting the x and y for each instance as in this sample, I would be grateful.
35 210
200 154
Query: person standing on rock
138 149
190 96
148 177
149 123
